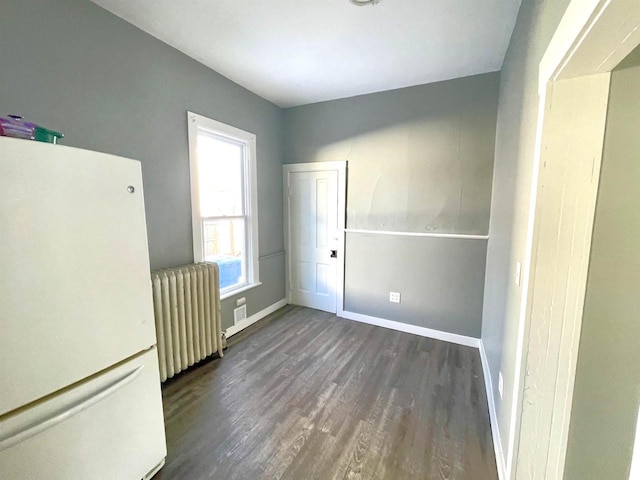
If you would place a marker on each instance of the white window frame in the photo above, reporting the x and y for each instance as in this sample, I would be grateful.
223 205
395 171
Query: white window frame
197 123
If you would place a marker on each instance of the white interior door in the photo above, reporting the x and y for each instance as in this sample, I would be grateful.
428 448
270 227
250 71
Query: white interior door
315 237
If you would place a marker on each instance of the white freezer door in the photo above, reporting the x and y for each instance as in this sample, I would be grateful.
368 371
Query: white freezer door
75 291
109 427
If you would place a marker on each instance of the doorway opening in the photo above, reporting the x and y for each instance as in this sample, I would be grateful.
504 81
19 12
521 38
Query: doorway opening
575 77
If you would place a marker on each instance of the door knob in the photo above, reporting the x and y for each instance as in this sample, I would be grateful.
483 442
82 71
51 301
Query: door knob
334 253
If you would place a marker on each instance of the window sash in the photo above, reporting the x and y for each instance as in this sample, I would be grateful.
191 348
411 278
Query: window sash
198 125
245 260
245 187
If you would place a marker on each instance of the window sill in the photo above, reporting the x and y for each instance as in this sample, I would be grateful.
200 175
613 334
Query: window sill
238 290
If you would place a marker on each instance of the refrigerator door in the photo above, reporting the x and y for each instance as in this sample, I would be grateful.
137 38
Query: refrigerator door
75 291
108 427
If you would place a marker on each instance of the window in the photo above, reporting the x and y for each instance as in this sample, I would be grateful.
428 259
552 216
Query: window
223 201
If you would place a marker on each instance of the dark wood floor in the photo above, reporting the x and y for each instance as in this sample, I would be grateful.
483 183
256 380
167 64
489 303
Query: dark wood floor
306 395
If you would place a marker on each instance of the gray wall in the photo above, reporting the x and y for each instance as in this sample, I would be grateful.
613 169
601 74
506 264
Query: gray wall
73 67
420 160
607 389
514 154
440 280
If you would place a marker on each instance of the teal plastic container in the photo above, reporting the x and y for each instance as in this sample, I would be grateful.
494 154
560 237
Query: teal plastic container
42 134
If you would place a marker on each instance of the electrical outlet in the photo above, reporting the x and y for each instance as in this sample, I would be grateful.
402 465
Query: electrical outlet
518 273
394 297
500 384
241 301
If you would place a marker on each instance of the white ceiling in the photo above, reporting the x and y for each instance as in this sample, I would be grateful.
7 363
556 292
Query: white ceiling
295 52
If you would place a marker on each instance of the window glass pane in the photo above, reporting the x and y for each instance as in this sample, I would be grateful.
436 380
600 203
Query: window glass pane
224 244
220 165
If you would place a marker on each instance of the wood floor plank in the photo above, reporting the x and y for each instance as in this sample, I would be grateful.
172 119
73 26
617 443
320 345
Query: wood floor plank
303 394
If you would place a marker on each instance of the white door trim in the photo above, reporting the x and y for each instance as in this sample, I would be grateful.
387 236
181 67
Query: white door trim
592 37
341 168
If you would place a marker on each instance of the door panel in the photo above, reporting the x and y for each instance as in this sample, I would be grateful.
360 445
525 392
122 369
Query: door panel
313 233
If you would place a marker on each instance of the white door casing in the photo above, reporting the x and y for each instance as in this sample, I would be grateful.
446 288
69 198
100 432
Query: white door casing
314 230
592 38
576 108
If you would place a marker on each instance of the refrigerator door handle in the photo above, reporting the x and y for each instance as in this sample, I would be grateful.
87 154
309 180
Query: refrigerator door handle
23 430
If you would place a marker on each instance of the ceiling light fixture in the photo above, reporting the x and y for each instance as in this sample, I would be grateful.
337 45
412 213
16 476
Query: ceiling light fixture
362 3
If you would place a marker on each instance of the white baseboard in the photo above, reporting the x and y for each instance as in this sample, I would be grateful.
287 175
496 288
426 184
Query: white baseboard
493 417
238 327
405 327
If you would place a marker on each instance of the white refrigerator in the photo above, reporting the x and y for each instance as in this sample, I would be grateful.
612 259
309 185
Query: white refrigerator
79 385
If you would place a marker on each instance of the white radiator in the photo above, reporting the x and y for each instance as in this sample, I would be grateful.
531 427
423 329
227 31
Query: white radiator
186 303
